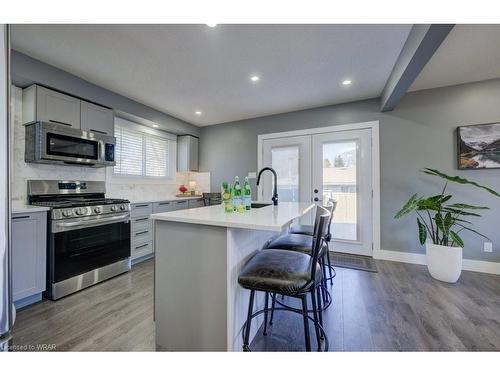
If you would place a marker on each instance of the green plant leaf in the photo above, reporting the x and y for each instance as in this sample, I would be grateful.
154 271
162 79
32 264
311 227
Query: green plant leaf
463 221
447 222
422 232
458 180
439 221
460 212
474 231
467 206
408 207
456 238
428 204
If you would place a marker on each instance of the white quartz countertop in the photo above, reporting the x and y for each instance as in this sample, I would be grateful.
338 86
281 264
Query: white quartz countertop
21 208
167 199
270 218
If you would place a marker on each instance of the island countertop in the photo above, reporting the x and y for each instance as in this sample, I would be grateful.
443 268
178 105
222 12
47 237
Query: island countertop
269 218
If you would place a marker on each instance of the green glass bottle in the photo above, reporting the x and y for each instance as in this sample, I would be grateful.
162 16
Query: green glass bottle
247 195
226 197
237 198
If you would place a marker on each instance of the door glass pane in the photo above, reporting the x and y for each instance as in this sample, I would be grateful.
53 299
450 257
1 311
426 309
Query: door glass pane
340 183
285 161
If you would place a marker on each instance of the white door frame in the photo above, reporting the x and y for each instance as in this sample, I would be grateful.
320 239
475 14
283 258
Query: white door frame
374 126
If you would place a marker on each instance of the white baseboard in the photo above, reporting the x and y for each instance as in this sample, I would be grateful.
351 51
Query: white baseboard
415 258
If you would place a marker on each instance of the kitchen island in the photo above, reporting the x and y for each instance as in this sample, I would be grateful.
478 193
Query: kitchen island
199 253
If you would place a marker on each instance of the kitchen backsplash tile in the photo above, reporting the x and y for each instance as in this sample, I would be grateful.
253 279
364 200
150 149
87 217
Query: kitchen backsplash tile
21 171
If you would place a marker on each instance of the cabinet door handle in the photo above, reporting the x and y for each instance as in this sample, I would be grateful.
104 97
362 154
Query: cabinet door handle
98 131
141 205
181 202
140 247
21 217
141 219
143 232
60 122
164 204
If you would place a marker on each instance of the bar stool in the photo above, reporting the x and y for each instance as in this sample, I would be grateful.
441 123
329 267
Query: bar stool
307 230
294 274
303 243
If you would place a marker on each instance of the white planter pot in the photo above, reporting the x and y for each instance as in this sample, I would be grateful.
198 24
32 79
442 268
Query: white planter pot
444 262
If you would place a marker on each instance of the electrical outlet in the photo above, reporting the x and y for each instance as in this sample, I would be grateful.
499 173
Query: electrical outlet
252 175
488 247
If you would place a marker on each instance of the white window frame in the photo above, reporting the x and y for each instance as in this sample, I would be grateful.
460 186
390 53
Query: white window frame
113 178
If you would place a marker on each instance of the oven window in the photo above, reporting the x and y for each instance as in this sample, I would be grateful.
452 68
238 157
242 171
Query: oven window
63 145
81 250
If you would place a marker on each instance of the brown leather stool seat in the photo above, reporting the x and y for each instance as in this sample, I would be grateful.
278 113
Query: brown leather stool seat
278 271
295 242
302 229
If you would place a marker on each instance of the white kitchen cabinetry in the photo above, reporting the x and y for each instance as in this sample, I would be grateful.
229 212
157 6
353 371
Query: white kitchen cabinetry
164 206
141 230
29 242
193 203
141 234
43 104
95 118
187 153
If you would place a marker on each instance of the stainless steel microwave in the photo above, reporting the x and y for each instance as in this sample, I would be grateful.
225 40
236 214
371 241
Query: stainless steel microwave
50 143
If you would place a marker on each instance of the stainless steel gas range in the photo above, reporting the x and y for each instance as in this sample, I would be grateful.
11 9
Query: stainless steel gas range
88 234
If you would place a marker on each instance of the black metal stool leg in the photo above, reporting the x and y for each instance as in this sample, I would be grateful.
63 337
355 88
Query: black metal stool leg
306 323
329 263
316 321
248 323
272 309
320 310
323 281
266 302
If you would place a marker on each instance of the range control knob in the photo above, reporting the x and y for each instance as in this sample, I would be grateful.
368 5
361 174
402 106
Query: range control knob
122 207
66 213
98 210
113 208
80 211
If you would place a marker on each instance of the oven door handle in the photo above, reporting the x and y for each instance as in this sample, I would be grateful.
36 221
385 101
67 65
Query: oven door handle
65 226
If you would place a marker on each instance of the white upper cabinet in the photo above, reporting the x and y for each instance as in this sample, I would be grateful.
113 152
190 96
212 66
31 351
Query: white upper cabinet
187 153
95 118
42 104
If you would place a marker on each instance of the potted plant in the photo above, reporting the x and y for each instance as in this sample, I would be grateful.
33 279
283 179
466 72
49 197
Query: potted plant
442 222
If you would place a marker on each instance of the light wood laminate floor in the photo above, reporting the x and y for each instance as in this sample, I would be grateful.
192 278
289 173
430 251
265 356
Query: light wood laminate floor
400 308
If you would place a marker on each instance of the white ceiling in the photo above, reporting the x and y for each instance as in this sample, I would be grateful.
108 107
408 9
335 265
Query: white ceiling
469 53
179 69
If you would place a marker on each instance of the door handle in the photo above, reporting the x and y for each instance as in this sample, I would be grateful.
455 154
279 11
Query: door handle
316 191
316 199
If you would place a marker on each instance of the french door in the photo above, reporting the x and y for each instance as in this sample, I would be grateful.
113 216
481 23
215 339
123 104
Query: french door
290 157
332 165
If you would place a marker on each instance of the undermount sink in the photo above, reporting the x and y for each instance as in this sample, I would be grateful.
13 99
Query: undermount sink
260 205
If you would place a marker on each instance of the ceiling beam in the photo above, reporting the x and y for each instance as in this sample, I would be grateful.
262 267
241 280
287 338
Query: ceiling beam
420 46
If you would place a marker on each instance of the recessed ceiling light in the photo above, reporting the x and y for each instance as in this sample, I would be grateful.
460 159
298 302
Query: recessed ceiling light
254 78
211 24
346 82
155 125
198 113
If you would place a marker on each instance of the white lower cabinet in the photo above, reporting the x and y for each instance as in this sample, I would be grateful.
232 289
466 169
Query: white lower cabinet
193 203
141 229
29 254
141 237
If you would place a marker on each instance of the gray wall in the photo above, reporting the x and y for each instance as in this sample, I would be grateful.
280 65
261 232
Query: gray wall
27 70
419 133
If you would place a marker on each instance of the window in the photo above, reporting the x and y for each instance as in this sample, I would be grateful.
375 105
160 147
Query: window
142 152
